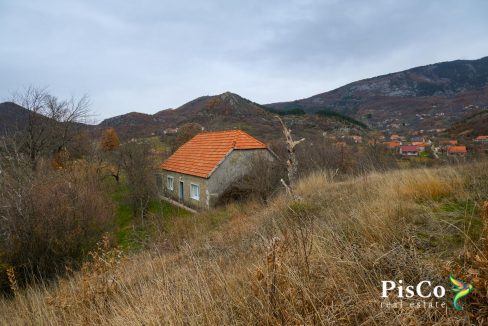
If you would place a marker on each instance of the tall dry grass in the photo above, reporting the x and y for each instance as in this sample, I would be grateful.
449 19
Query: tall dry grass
317 260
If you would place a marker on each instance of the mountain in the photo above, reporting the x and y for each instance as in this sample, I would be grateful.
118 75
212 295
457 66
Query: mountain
220 112
432 96
12 117
436 96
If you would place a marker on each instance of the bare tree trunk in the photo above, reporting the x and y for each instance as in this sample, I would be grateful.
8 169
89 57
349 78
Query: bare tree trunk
291 163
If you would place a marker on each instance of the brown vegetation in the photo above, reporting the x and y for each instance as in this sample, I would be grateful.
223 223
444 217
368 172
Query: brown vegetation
316 260
50 219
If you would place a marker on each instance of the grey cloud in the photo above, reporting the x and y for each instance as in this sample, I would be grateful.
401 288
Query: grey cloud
149 55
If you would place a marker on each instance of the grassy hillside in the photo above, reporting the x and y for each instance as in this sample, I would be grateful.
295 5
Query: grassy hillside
316 260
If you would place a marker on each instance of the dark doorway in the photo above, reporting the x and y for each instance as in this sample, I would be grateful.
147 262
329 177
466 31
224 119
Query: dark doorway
181 192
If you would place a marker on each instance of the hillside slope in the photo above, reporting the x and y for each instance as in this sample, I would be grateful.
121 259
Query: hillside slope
12 117
441 92
318 260
471 126
220 112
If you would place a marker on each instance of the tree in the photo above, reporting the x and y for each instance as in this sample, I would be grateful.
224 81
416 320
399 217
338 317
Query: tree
49 218
51 123
291 163
138 165
110 140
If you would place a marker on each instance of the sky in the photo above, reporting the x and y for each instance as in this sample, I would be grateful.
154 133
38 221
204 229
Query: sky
150 55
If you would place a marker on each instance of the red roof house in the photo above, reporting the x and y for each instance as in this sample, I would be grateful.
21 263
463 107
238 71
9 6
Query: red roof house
481 139
457 151
409 150
205 166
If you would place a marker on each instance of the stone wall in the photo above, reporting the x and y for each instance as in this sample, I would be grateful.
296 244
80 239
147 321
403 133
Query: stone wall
187 181
234 166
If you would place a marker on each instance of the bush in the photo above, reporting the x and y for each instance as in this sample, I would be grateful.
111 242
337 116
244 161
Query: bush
50 219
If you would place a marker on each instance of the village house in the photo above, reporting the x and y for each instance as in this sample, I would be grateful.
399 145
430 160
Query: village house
457 151
451 142
395 137
409 150
170 131
356 139
421 146
481 140
392 144
202 169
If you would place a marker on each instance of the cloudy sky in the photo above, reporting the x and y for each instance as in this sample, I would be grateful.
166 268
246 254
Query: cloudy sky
148 55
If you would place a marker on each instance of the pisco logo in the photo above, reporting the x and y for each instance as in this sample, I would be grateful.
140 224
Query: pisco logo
424 290
461 290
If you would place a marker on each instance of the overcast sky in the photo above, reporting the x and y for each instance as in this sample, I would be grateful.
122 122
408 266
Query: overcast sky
148 55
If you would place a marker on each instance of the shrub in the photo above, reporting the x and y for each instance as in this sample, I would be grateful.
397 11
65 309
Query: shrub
50 220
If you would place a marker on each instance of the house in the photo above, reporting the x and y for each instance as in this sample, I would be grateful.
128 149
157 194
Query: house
392 144
457 151
451 142
481 140
409 150
421 146
203 168
395 137
357 139
170 131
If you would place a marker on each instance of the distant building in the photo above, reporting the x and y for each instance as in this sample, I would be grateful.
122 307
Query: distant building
457 151
395 137
392 144
170 131
481 140
421 146
357 139
452 142
202 169
409 150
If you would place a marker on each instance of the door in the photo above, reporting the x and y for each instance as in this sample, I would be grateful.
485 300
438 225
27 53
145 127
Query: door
181 191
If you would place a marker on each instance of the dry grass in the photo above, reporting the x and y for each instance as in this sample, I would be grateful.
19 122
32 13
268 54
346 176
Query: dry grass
319 260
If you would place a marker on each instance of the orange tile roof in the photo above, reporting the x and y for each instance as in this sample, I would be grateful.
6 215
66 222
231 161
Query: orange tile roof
481 138
204 152
457 149
392 144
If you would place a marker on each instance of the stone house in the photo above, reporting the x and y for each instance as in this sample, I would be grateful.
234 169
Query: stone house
202 169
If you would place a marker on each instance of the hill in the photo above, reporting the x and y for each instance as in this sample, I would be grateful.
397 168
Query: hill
12 117
222 112
432 96
471 126
317 260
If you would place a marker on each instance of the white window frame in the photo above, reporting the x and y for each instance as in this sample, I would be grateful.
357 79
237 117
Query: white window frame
192 194
170 182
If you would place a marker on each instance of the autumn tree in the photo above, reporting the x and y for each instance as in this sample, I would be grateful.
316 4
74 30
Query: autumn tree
110 140
109 151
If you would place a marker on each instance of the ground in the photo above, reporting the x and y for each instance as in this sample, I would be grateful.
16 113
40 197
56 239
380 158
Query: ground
317 259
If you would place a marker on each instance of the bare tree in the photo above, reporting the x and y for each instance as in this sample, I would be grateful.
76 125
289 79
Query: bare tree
49 218
138 165
291 163
51 123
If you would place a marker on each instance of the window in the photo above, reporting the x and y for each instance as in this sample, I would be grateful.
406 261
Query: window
195 191
170 183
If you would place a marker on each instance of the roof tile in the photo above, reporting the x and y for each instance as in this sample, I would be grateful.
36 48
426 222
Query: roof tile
201 154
